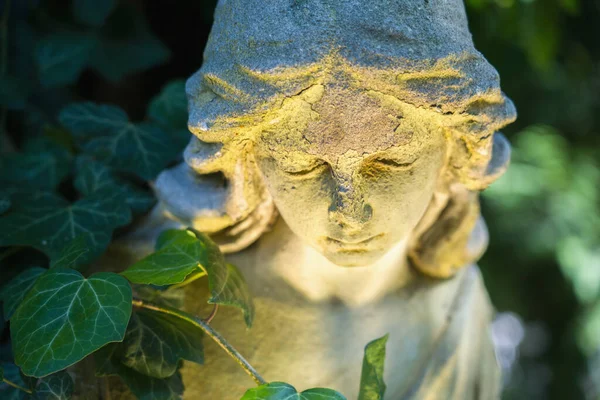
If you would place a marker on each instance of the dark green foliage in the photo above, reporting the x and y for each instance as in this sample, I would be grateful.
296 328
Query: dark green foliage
106 133
67 189
22 199
42 170
145 388
88 120
155 343
57 386
61 57
95 177
65 317
51 227
126 46
169 107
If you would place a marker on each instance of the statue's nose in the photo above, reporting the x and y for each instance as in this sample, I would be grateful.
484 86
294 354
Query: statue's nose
349 208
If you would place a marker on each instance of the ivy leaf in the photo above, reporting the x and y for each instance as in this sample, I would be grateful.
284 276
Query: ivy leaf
93 12
147 388
95 177
42 170
75 254
372 386
144 149
57 386
181 253
284 391
232 290
61 57
142 386
65 317
86 120
14 291
169 107
52 227
155 343
92 176
22 198
132 49
11 373
107 134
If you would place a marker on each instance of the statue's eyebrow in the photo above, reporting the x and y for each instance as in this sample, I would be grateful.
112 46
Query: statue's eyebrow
224 89
280 74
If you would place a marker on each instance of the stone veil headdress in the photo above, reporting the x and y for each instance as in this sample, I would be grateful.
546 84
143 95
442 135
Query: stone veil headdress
261 52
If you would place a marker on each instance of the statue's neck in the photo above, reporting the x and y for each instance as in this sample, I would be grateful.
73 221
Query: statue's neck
317 278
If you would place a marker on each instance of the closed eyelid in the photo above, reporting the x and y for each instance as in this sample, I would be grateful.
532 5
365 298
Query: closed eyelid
391 163
301 170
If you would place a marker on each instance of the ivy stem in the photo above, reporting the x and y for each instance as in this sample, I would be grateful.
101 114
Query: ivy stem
209 319
10 383
214 335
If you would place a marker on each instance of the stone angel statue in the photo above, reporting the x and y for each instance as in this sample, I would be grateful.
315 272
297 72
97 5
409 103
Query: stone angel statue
338 150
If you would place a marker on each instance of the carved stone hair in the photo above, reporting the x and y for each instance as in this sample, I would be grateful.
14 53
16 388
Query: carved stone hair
261 52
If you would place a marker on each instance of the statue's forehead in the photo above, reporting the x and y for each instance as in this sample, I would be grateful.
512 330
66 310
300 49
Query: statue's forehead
336 122
349 120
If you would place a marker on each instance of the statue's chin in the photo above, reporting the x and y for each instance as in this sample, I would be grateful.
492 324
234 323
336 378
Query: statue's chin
354 258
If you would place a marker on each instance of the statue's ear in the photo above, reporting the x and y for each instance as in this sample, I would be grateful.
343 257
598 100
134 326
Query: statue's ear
500 159
455 239
217 191
453 234
472 162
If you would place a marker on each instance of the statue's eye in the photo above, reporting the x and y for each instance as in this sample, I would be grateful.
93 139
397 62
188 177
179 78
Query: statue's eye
311 169
395 164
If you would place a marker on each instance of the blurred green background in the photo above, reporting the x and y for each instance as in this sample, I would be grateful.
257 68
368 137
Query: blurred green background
542 268
543 264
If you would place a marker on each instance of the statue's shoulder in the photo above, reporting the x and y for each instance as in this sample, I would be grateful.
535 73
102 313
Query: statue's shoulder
461 362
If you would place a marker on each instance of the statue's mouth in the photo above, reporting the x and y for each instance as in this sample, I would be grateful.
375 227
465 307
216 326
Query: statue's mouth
352 244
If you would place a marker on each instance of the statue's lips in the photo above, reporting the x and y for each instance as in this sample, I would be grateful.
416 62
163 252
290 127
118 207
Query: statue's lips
352 244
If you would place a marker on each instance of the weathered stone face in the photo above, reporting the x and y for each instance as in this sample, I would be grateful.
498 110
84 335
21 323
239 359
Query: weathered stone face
366 123
350 172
